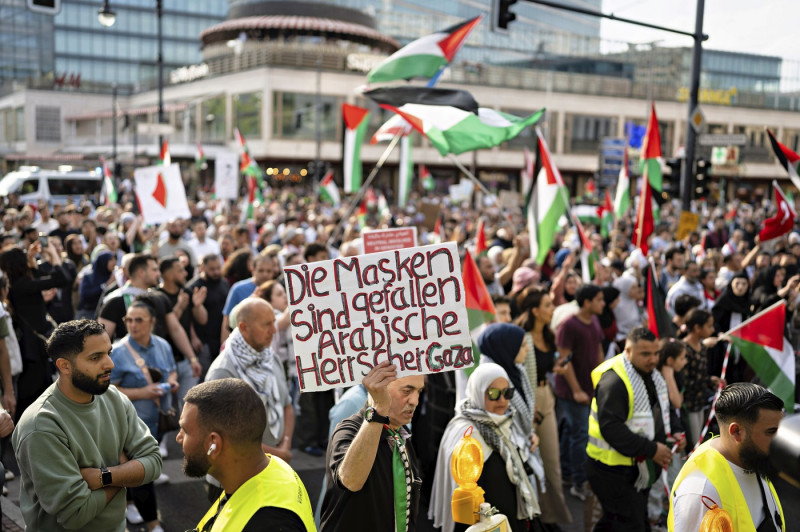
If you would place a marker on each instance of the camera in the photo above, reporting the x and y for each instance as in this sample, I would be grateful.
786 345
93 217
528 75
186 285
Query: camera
43 240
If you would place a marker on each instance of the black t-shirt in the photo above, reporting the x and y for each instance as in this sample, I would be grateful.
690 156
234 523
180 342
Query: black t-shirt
371 508
63 234
115 308
217 292
185 319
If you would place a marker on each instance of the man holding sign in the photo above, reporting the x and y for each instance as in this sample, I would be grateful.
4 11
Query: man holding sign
372 469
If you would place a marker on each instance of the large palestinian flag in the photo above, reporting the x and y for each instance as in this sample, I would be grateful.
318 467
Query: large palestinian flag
425 57
546 202
651 152
761 342
622 199
328 191
788 159
355 123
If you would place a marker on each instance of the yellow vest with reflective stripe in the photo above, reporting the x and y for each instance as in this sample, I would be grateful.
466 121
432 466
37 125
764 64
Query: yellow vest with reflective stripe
598 448
277 486
718 471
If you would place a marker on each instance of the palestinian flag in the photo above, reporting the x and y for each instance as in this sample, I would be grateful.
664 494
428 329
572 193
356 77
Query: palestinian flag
651 152
248 165
606 215
761 342
427 179
480 239
371 199
384 212
480 309
658 320
406 174
644 217
200 158
164 158
590 188
546 202
400 96
622 199
588 214
361 216
248 207
588 255
394 126
783 221
788 159
527 172
425 57
355 123
328 191
109 191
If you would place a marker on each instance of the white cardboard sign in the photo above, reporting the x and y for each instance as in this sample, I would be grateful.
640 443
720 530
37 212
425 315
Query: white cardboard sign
226 175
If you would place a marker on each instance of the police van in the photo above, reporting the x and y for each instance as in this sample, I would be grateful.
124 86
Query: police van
63 185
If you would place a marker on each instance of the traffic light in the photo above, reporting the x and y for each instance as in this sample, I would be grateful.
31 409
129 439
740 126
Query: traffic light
48 7
674 185
701 178
502 15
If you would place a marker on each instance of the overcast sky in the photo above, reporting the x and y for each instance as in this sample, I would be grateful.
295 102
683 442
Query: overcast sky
767 27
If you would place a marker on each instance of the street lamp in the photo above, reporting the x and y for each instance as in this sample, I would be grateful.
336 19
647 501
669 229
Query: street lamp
107 17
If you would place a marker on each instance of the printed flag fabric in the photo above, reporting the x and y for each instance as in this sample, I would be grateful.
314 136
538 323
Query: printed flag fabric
480 239
644 225
606 216
328 190
200 158
161 194
249 167
109 191
248 207
406 174
788 159
651 152
361 216
622 199
355 123
546 203
658 320
424 57
783 221
427 179
164 157
527 172
480 309
761 342
394 126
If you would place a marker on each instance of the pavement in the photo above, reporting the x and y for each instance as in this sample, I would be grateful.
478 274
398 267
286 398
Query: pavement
183 501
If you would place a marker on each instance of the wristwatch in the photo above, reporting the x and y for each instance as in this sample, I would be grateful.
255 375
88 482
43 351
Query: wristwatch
105 476
372 416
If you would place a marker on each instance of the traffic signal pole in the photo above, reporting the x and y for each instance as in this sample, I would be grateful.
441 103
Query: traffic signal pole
501 13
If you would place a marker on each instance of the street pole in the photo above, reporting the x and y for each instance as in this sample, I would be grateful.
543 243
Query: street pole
160 67
114 127
687 172
318 127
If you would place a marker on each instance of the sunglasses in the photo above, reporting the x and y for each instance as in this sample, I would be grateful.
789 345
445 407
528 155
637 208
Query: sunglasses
495 393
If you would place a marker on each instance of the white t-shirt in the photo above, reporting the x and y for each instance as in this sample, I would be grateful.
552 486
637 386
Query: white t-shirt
688 507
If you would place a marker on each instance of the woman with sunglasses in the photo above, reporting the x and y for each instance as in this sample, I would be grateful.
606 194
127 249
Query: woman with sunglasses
144 370
507 477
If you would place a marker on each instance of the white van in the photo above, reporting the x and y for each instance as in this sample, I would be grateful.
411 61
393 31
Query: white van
32 184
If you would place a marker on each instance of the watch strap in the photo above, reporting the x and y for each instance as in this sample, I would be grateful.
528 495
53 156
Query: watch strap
374 417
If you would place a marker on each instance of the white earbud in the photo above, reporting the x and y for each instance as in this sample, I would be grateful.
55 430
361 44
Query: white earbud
212 448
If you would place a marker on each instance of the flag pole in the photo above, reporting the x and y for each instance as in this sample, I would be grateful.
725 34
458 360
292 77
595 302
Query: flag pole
363 190
475 180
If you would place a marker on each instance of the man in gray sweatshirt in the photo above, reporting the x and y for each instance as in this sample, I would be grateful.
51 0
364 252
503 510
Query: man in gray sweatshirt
81 443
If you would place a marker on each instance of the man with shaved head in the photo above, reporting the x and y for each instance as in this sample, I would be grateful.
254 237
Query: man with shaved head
247 356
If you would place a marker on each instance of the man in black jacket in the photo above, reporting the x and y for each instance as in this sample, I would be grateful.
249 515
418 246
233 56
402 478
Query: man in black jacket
628 427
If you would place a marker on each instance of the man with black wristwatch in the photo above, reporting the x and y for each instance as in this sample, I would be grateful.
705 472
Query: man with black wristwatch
372 469
81 442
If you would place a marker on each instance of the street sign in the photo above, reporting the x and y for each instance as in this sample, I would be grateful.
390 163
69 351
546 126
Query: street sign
724 139
155 129
698 119
725 155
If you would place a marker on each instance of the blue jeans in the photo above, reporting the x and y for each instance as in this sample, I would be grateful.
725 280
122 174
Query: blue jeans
574 429
185 382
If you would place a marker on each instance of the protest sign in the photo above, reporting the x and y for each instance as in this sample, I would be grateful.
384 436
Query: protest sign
160 193
431 212
226 175
687 224
350 314
389 239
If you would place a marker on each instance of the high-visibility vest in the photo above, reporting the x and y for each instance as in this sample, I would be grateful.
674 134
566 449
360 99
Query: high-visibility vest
718 471
597 448
277 486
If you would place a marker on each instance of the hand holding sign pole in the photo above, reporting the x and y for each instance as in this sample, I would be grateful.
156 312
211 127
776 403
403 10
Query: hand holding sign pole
403 306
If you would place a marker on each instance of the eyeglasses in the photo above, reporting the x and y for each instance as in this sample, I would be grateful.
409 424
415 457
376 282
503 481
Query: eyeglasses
137 320
495 393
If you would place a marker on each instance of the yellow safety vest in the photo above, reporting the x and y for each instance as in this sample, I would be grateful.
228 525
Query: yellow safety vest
598 448
277 486
716 468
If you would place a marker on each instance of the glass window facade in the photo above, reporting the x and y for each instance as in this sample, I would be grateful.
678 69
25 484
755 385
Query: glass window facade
26 42
214 118
295 116
584 133
247 114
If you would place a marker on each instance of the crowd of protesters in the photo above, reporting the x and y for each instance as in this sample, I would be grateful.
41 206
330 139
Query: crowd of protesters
203 298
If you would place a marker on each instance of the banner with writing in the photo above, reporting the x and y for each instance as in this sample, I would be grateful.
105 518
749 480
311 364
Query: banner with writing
350 314
389 239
